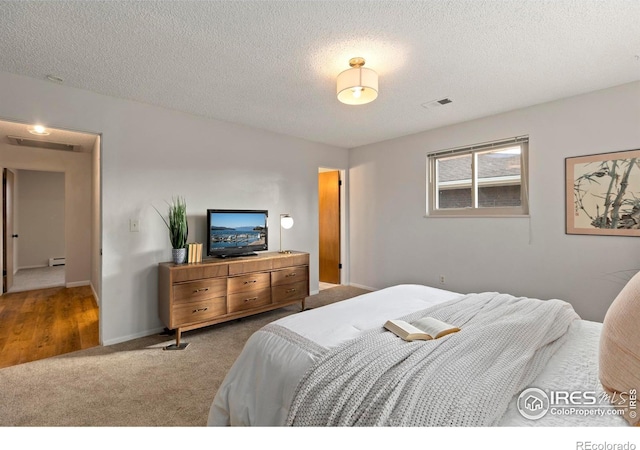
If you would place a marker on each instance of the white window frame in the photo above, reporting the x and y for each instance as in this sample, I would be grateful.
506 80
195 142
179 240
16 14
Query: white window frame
475 210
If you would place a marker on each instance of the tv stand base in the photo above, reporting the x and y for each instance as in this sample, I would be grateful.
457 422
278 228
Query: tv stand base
237 255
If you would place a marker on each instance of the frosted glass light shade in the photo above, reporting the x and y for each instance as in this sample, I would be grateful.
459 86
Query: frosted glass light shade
357 86
286 222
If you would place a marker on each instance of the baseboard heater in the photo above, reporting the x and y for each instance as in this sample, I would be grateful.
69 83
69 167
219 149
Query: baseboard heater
56 262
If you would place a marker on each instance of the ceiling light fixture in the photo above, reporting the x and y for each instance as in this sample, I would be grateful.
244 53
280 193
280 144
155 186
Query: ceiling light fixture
39 130
357 86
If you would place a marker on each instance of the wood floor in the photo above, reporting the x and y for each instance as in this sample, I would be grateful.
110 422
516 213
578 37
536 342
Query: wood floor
47 322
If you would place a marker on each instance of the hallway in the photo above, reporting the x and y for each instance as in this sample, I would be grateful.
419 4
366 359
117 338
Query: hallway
46 322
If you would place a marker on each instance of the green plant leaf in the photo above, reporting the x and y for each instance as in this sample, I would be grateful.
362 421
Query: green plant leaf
177 222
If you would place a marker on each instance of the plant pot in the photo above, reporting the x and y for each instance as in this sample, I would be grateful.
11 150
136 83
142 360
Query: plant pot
178 255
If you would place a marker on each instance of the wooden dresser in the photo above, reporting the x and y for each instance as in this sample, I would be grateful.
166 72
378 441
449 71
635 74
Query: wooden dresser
216 290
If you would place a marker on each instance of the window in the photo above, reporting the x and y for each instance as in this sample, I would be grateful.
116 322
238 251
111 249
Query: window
487 179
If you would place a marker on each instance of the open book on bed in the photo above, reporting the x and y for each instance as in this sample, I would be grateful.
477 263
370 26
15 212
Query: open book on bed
424 329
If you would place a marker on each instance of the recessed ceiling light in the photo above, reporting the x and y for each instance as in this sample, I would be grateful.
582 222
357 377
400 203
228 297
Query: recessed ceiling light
54 78
39 130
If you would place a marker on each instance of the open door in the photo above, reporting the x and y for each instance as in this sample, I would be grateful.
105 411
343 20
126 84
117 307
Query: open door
7 226
329 214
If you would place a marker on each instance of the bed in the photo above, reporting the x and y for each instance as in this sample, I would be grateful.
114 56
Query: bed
264 386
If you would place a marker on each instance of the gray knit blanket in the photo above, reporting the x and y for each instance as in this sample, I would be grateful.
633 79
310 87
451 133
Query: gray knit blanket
466 378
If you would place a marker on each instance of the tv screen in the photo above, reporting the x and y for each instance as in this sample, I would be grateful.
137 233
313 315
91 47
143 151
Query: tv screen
236 232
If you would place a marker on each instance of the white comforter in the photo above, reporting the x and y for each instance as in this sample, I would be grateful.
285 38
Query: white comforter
260 386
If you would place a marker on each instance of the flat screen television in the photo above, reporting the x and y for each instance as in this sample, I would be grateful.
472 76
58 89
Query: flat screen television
236 232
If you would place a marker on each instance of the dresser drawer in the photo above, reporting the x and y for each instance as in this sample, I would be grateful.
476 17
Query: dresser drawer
286 292
255 281
199 310
240 267
200 272
250 299
290 275
199 290
291 261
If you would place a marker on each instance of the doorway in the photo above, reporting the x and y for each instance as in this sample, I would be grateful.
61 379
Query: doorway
37 206
56 240
8 260
330 219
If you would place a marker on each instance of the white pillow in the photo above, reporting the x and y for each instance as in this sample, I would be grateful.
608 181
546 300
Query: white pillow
620 348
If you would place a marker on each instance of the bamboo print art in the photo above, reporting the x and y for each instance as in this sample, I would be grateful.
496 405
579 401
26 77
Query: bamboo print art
603 194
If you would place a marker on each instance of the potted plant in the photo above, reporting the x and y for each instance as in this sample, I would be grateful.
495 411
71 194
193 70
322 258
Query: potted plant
178 228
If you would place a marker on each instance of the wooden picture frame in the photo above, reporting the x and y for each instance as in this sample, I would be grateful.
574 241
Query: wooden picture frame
603 194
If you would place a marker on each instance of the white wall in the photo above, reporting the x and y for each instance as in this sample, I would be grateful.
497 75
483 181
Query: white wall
77 169
392 242
40 216
150 154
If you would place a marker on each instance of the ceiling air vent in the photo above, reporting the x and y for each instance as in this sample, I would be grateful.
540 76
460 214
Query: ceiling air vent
437 103
28 142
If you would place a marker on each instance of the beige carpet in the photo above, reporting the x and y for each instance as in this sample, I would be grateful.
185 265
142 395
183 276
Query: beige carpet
135 383
38 278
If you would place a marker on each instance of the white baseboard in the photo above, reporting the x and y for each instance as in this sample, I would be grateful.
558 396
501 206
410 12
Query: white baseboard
95 294
31 267
361 286
78 283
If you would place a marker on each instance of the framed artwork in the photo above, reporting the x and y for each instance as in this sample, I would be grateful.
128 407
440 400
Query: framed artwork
603 194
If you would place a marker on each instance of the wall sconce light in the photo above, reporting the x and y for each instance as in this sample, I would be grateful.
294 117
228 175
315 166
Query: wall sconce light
286 222
357 86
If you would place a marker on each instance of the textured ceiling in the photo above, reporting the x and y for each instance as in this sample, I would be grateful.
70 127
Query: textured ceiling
272 64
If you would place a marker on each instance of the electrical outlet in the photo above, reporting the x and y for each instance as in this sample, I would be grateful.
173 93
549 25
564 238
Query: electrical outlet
441 279
134 225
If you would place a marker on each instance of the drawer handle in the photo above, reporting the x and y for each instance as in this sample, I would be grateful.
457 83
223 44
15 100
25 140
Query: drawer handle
200 290
250 281
199 310
250 299
292 274
291 290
